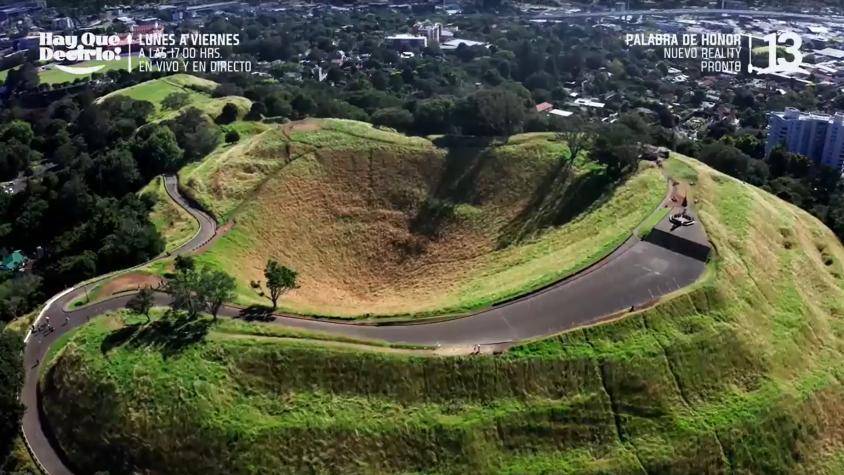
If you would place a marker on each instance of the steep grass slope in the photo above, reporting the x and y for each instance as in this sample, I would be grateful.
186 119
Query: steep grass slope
378 223
740 374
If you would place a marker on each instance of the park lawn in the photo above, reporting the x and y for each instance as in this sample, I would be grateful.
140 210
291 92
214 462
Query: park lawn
173 222
198 91
678 169
741 372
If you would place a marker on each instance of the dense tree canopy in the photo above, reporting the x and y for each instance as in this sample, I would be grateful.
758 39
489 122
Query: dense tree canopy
11 381
495 111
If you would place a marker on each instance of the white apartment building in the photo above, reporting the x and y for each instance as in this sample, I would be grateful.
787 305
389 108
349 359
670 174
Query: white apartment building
817 136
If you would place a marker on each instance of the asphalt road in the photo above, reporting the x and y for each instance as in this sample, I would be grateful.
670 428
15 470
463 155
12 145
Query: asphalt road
634 275
37 344
207 225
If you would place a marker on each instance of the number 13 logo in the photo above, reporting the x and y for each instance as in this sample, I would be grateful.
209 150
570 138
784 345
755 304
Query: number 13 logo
778 65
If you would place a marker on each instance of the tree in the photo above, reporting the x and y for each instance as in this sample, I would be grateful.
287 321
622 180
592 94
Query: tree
183 287
394 117
18 130
200 289
577 134
790 189
133 239
380 80
215 288
617 147
303 104
275 105
750 145
280 279
11 381
115 172
77 268
227 89
495 111
195 133
94 125
19 294
156 150
122 107
725 158
433 115
23 78
257 111
175 100
184 264
141 302
228 114
232 136
15 157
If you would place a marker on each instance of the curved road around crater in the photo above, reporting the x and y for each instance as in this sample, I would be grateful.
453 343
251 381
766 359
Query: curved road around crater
636 274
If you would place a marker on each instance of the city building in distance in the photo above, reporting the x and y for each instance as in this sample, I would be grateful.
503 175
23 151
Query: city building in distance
817 136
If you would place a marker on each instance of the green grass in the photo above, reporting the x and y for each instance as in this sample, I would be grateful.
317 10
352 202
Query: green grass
107 287
678 169
651 221
174 224
227 176
362 213
19 462
197 89
740 373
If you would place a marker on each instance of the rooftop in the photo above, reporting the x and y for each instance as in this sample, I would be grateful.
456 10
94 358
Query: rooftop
560 113
405 36
13 261
835 53
588 103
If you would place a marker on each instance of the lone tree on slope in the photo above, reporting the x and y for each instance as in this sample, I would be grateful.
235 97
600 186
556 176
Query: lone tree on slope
577 134
141 303
215 288
280 279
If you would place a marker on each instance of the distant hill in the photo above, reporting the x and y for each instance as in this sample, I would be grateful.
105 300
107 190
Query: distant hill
198 92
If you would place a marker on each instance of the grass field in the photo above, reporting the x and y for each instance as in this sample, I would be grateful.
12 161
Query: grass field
378 223
49 74
227 176
198 91
741 373
174 224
